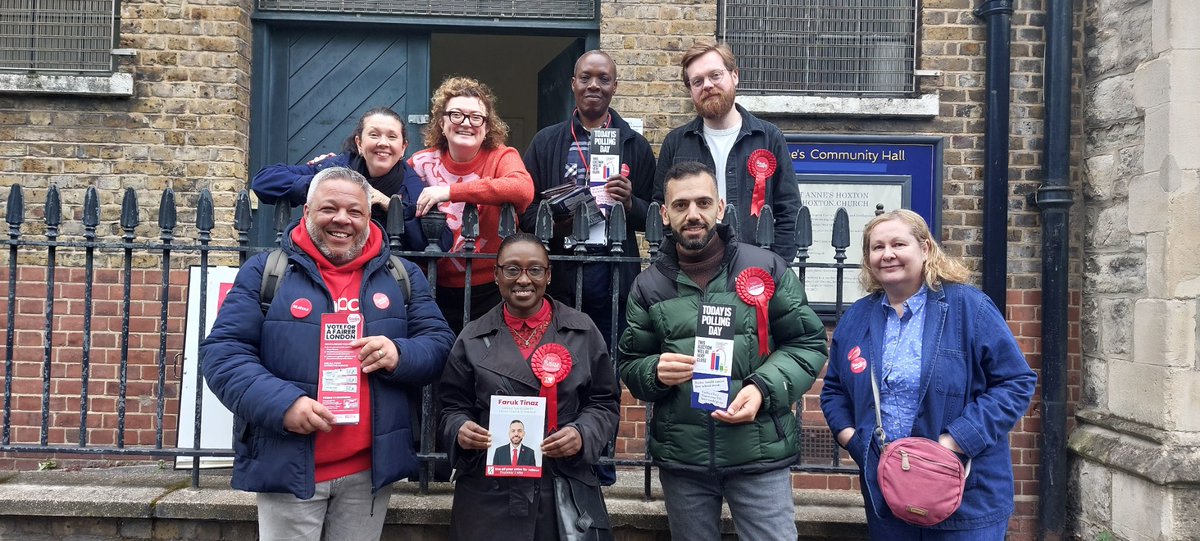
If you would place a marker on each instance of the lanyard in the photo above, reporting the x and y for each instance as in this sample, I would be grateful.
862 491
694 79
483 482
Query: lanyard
583 160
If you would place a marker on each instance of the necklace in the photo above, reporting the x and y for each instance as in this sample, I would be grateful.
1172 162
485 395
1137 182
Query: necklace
525 339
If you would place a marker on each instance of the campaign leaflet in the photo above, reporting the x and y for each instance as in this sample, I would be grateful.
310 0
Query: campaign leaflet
517 424
605 149
341 375
714 357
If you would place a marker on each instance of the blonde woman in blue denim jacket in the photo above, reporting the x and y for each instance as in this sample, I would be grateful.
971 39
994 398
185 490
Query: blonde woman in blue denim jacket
948 368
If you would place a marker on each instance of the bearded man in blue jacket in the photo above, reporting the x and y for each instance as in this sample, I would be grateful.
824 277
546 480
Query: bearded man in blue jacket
262 362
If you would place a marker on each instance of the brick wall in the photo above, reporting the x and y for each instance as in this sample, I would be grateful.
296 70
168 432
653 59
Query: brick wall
185 126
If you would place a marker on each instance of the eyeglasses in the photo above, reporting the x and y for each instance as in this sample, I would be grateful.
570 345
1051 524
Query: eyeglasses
536 272
459 117
716 76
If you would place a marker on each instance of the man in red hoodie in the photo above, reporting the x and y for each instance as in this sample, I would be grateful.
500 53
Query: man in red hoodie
313 475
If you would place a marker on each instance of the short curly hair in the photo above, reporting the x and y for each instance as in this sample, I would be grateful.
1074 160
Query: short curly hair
454 87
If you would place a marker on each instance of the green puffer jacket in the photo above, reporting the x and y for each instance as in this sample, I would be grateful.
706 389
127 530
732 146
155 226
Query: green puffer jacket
663 311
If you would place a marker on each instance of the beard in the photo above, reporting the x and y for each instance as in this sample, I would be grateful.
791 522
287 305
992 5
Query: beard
336 257
694 245
708 107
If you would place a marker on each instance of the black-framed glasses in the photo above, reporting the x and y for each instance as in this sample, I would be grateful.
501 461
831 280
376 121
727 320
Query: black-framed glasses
716 76
459 117
535 272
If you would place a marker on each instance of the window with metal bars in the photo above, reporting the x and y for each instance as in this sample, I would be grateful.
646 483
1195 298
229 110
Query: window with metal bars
501 9
823 47
64 36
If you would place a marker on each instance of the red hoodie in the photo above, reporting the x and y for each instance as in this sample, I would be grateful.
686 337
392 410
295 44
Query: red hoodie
345 450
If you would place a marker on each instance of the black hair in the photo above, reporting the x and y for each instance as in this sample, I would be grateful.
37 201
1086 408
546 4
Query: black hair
688 169
349 146
522 237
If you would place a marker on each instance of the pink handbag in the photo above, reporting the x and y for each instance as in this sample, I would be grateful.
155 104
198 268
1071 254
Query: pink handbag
922 482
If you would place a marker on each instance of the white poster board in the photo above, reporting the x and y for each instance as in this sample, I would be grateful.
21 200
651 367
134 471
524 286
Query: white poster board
216 421
824 195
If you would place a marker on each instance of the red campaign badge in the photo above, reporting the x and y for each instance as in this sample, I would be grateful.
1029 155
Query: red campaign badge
381 300
625 170
551 364
756 287
857 362
301 308
762 165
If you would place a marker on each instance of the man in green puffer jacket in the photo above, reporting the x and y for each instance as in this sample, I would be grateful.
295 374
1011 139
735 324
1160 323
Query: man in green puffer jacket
741 453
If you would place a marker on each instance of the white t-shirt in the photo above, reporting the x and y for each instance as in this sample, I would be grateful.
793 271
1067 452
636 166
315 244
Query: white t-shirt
720 142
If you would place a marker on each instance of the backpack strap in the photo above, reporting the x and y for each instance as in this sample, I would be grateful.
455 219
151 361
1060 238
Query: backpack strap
396 267
277 263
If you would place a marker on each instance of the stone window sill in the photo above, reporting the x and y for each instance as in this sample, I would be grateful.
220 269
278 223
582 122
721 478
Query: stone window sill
117 85
925 106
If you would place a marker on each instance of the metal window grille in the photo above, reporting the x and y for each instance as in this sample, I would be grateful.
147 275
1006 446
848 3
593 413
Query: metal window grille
510 9
823 46
57 35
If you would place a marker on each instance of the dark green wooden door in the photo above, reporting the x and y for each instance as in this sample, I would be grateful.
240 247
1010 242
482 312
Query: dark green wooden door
311 84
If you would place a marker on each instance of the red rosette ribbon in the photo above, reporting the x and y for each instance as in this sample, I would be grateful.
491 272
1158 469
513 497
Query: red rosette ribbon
756 287
551 363
762 165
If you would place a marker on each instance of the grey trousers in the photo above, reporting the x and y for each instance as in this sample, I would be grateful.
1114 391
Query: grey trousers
344 509
762 505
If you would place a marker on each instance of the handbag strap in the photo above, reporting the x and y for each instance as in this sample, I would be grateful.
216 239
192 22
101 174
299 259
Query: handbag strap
878 415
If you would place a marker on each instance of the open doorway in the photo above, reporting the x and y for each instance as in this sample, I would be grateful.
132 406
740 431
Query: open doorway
512 66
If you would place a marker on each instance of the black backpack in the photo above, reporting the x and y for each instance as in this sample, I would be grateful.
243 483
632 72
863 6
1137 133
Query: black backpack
277 263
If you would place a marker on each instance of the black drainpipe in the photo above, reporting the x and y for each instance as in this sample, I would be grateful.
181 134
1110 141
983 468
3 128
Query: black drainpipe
997 13
1054 199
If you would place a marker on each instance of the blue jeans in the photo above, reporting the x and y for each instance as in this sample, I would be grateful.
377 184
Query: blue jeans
894 529
762 504
344 508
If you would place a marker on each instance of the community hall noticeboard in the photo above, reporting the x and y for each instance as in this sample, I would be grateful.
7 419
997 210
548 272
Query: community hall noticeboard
862 174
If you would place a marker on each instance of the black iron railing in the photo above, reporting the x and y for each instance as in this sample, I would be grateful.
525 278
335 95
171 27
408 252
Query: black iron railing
149 328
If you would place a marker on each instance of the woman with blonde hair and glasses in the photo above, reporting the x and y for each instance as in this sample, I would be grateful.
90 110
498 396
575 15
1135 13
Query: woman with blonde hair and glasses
465 162
948 369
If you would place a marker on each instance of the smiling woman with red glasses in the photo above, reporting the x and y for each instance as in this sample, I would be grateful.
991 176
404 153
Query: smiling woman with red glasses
506 352
466 161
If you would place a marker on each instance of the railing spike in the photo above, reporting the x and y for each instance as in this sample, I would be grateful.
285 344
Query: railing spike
470 227
281 219
91 208
544 223
654 227
204 211
243 216
580 229
53 207
765 235
14 211
804 236
395 222
167 212
129 210
616 229
508 220
731 220
841 229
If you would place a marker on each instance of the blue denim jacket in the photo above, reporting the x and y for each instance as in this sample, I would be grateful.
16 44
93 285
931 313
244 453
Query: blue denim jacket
975 385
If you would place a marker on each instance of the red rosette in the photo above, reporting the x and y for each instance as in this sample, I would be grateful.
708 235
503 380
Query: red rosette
551 363
762 165
756 287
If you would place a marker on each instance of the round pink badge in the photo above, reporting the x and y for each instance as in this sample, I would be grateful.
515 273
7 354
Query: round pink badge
854 352
858 364
381 301
551 364
301 308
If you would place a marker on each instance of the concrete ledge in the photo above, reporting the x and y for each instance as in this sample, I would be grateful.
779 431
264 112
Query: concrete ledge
926 106
147 493
1134 449
118 85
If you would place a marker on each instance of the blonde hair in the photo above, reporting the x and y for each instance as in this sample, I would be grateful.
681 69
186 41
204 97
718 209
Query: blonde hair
939 267
455 87
701 48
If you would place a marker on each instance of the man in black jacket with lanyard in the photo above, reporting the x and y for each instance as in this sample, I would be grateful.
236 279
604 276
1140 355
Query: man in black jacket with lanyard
750 156
560 154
